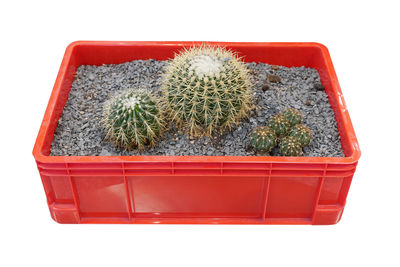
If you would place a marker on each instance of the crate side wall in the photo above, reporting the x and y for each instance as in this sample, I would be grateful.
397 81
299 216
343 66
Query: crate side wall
332 90
272 194
62 89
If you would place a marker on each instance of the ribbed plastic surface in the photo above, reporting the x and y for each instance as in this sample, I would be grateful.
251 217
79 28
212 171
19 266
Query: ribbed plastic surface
195 189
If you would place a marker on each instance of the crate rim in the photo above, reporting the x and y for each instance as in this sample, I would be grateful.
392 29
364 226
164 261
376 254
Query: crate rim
352 158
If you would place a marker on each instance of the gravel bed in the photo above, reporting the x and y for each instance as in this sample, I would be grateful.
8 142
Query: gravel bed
79 131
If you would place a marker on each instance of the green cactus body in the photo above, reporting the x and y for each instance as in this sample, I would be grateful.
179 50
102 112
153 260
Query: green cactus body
263 139
279 124
294 116
132 119
290 146
301 133
205 89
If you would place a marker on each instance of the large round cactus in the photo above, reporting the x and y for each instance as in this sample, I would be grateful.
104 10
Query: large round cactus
206 88
132 119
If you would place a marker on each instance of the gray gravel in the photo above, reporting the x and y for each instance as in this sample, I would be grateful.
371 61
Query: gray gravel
79 130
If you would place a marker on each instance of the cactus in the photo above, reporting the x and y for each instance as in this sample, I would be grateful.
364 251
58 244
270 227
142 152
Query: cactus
205 89
293 115
290 146
279 124
301 133
263 139
132 119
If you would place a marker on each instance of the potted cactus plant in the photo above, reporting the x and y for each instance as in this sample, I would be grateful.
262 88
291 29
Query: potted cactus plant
205 96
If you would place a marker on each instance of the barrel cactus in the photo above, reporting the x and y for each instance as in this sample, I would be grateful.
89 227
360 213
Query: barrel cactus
279 124
263 139
302 133
206 89
132 119
294 116
290 146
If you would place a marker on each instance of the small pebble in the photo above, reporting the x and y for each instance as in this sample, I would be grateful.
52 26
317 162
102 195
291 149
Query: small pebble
319 87
265 87
274 78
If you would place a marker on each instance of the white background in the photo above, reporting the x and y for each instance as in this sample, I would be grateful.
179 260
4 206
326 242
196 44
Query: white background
362 37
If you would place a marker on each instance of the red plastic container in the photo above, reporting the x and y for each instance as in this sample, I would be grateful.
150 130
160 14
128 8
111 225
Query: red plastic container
195 189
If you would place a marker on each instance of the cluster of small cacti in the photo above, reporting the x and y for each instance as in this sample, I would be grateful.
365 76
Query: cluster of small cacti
284 129
133 119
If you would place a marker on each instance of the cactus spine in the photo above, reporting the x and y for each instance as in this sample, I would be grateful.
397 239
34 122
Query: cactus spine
263 139
205 89
132 119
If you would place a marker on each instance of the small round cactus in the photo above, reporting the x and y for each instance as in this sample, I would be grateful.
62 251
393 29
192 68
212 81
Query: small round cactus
205 89
293 116
301 133
290 146
132 119
263 139
279 124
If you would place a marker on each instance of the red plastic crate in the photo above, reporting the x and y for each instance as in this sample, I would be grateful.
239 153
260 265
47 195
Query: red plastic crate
195 189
